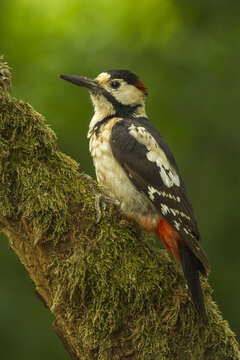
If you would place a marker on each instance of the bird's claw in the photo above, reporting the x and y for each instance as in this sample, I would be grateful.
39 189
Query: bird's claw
101 202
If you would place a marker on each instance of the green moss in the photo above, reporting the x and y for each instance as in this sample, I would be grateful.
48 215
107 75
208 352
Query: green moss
108 284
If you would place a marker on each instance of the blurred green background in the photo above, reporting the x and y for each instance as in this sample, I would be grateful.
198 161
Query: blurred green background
188 54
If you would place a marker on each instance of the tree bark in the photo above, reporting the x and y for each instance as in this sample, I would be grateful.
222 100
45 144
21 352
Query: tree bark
113 295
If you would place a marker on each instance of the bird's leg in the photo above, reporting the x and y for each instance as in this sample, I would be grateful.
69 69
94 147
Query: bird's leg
100 204
101 200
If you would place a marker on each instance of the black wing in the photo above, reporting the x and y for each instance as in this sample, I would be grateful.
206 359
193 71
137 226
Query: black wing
151 167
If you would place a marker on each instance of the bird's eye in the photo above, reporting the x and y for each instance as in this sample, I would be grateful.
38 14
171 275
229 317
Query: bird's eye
115 84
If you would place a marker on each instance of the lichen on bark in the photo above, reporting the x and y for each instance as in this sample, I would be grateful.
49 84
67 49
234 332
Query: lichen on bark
113 295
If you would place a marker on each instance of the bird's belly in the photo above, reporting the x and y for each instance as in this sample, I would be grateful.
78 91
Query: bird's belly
116 183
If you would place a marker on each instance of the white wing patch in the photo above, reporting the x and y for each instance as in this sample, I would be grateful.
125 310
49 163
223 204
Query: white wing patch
179 214
177 225
188 232
156 154
152 191
165 210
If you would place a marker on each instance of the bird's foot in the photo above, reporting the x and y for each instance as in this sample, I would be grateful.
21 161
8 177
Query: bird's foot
101 202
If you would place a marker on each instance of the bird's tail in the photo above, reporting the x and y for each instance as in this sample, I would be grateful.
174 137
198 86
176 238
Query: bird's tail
191 268
191 265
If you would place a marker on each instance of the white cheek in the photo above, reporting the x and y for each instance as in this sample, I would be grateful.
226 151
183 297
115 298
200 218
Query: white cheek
128 94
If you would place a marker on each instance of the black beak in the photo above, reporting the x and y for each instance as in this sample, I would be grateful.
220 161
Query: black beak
90 84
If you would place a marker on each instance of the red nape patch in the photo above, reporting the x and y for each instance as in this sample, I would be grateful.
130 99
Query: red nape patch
169 237
140 85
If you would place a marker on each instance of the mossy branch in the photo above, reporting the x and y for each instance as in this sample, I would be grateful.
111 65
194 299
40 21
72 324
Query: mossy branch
113 296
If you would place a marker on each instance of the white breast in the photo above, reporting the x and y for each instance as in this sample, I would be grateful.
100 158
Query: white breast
113 178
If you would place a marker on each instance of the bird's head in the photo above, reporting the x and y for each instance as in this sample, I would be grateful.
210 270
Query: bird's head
117 92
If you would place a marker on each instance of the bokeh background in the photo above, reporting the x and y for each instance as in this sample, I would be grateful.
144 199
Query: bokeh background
188 54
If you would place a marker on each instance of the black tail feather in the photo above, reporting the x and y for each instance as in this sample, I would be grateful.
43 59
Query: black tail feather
191 268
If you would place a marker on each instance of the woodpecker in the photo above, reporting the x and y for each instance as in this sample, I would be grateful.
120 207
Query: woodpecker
137 169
